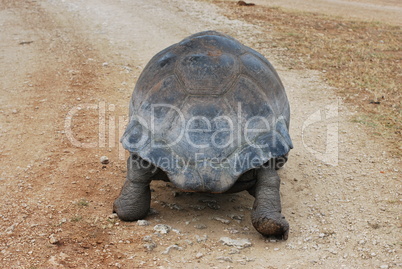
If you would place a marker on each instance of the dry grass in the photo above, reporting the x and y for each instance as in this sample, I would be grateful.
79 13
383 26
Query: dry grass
361 59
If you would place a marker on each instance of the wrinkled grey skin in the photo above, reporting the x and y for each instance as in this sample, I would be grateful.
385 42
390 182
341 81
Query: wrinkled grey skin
202 75
134 200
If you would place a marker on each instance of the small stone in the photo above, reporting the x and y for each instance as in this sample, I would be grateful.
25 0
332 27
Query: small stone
201 239
224 221
142 223
104 160
175 207
105 64
214 206
128 69
197 207
384 266
199 255
147 238
162 228
236 217
113 216
223 258
247 259
150 246
234 251
239 243
200 226
170 248
176 231
53 239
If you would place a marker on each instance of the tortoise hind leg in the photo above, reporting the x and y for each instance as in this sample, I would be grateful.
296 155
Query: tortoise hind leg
134 200
266 215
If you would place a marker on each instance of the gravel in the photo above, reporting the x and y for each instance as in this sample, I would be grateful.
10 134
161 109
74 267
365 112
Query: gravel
162 228
224 221
239 243
142 223
53 239
199 255
104 160
170 248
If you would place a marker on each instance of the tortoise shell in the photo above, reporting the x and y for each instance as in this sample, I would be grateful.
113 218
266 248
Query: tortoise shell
206 110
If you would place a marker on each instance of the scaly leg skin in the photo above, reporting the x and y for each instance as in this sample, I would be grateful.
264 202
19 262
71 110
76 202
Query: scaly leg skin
135 196
266 215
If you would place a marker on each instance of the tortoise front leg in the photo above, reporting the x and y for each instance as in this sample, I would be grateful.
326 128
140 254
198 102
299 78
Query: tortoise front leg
135 196
266 215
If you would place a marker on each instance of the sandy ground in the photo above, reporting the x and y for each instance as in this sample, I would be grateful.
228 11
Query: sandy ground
67 73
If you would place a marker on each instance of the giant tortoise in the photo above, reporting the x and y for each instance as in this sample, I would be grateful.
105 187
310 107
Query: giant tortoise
209 115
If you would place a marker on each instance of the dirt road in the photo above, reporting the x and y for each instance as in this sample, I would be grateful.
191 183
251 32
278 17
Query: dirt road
68 70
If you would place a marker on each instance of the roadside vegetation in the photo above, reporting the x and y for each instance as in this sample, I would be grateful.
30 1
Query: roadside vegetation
361 60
